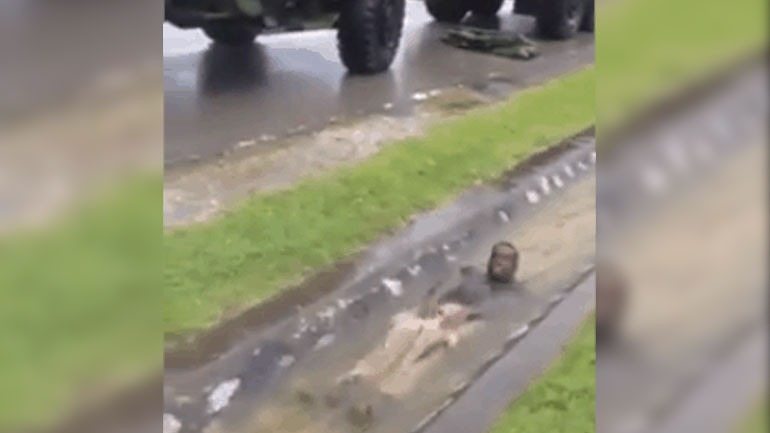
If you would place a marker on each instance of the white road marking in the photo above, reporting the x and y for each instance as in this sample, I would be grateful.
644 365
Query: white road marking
394 286
286 361
221 395
327 313
557 181
246 143
414 270
545 186
532 196
568 170
171 424
504 217
324 341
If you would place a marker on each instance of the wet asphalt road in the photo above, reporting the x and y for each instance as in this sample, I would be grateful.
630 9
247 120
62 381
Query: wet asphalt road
216 97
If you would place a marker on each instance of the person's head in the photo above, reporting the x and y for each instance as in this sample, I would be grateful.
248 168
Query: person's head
503 262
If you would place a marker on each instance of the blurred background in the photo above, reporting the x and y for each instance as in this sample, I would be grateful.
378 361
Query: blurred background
682 215
80 213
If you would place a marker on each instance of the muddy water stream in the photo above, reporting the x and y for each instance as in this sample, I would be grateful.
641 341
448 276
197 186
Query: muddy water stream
556 244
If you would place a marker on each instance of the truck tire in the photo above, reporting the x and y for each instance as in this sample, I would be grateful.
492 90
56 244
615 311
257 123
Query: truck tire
588 19
369 34
231 33
560 19
448 11
486 7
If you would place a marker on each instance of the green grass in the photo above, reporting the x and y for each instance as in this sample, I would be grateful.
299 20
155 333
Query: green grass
272 241
562 400
79 304
756 420
647 48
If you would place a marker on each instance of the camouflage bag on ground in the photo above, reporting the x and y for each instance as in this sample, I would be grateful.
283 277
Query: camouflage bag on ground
500 43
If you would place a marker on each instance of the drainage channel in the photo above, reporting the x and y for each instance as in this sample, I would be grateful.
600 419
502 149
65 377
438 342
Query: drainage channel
276 376
478 408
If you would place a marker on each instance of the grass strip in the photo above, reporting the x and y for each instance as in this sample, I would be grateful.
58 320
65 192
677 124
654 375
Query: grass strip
562 400
645 49
79 304
757 419
272 241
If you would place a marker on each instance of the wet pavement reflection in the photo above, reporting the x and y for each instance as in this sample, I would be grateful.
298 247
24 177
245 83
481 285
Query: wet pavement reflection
294 83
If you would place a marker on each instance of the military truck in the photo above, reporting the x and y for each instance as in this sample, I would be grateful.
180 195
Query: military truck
368 31
556 19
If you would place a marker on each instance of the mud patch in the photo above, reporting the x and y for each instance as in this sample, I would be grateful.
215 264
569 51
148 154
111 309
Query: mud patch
455 100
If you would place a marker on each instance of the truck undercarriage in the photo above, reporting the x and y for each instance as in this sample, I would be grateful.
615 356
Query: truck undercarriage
369 31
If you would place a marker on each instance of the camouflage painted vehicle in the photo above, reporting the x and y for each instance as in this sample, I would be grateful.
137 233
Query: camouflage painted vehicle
368 31
556 19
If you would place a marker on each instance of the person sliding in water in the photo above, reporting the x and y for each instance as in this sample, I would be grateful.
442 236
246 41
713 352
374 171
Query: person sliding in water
416 336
